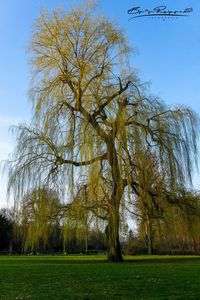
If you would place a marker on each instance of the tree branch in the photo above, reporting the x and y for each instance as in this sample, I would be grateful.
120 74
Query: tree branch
109 99
81 163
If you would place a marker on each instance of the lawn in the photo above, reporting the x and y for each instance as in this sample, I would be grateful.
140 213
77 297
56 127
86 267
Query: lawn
91 277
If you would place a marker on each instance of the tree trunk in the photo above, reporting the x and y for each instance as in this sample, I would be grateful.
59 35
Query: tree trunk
112 233
113 243
149 237
10 246
86 242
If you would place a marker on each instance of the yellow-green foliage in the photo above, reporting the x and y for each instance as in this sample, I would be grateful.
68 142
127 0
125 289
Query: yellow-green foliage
38 217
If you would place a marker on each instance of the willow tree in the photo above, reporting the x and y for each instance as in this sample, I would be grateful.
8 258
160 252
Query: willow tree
91 119
158 204
38 218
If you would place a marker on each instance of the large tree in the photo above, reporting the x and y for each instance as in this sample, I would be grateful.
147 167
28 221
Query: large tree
91 119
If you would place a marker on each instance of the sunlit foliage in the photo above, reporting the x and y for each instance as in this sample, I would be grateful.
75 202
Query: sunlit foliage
38 217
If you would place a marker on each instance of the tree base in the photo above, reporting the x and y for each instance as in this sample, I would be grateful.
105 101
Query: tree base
114 258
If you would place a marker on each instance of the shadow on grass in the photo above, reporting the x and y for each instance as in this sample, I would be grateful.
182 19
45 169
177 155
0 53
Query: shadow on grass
92 260
163 260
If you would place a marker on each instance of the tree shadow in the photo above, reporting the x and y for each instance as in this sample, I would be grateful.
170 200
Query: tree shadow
163 260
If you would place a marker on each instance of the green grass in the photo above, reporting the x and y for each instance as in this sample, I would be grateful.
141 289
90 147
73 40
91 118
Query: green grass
82 277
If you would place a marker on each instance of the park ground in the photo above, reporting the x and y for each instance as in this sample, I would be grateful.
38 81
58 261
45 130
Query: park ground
91 277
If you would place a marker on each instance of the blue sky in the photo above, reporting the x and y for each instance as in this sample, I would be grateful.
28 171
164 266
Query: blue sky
167 54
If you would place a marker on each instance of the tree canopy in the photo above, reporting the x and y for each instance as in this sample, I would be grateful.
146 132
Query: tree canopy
93 123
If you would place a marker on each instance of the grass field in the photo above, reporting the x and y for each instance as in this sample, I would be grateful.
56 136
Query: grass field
82 277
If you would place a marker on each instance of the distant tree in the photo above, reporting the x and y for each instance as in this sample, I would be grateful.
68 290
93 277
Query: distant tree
92 120
184 233
150 201
175 224
38 218
156 202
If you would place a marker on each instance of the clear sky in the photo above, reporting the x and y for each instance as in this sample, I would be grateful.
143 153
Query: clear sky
167 54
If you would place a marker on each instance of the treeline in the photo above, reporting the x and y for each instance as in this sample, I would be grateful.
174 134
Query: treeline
12 239
43 224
